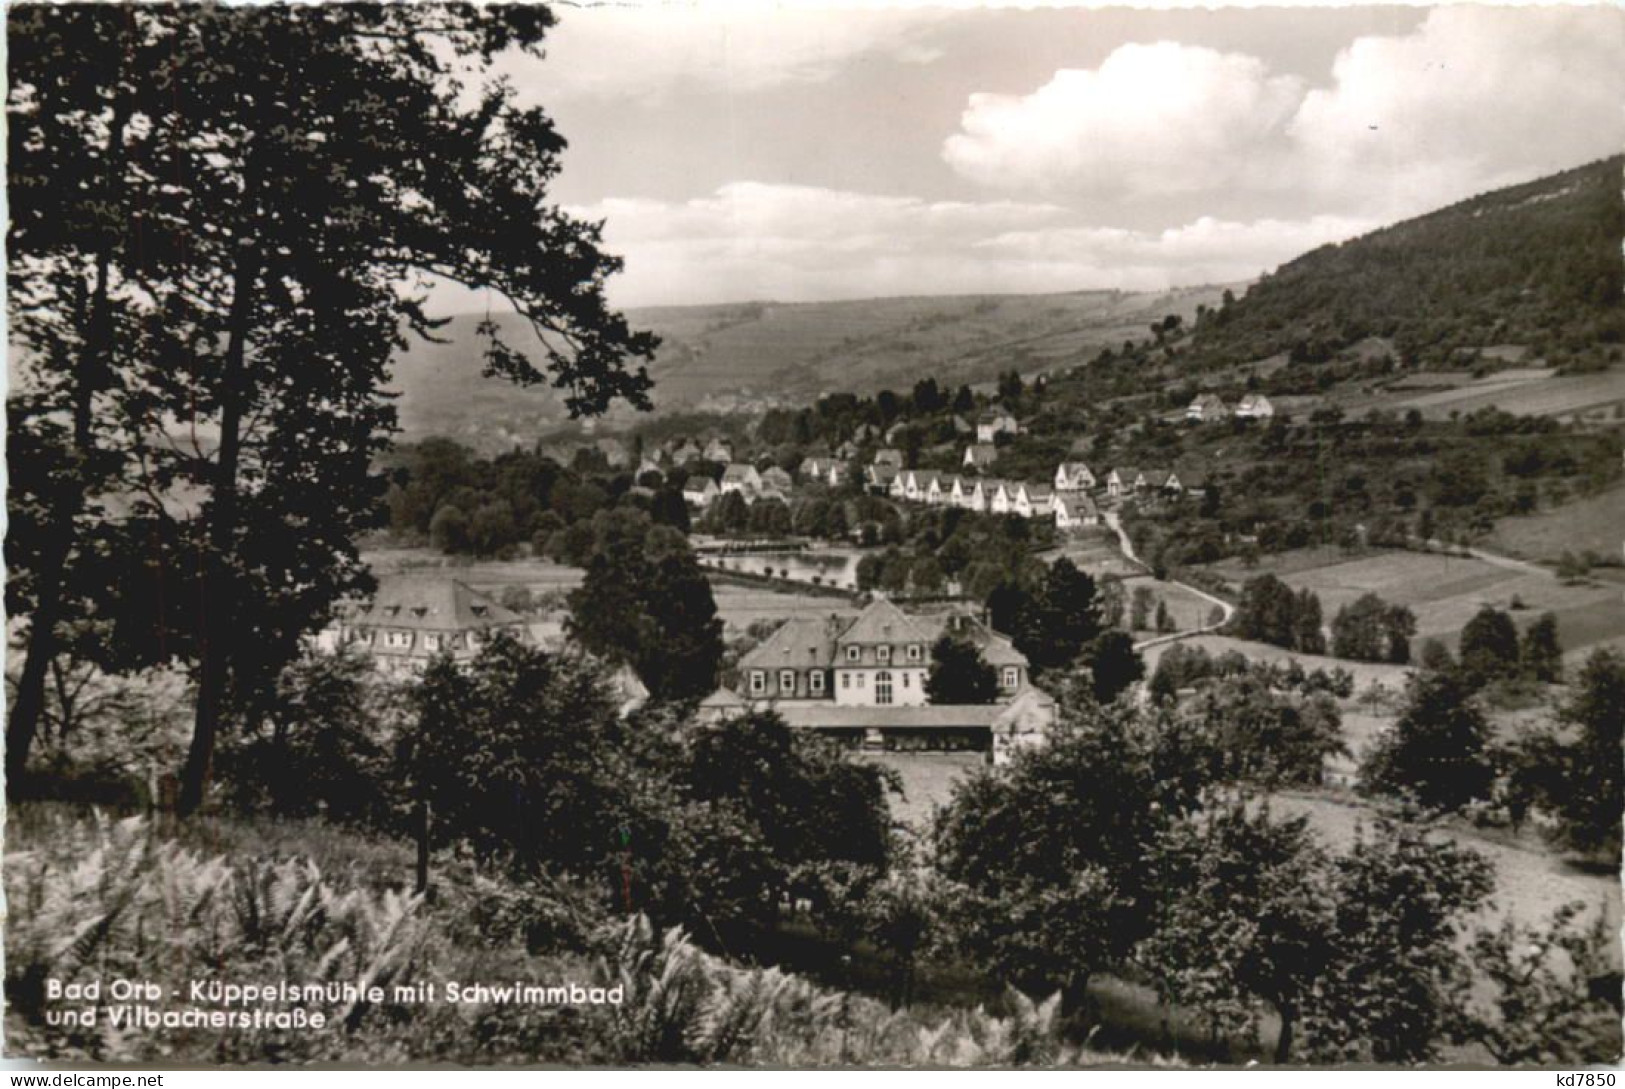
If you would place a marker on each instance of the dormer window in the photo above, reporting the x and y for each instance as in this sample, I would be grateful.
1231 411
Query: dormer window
853 653
914 652
885 654
758 682
787 681
815 682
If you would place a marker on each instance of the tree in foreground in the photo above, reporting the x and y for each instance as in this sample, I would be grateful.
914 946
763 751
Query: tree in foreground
959 673
1395 987
1044 858
1572 770
1436 753
1554 991
1541 650
1243 916
320 163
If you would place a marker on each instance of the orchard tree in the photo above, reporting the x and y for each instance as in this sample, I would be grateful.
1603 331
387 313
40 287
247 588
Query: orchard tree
1541 651
1395 985
1489 647
1436 752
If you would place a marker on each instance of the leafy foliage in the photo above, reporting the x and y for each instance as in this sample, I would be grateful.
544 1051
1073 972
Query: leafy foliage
1436 753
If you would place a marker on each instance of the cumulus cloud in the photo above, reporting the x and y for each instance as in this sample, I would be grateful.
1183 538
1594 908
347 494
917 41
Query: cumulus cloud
641 52
1472 98
1151 119
755 240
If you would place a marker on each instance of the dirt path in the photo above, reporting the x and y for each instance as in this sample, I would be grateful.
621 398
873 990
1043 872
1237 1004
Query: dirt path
1115 523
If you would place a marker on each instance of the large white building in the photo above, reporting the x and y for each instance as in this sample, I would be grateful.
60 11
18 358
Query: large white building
879 658
413 619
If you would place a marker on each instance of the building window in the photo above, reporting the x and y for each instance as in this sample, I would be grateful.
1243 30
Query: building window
431 641
882 687
853 653
846 680
815 682
905 678
884 653
758 682
861 679
787 681
914 652
1010 676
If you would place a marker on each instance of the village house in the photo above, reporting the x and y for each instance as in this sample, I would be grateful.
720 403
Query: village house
980 455
1032 500
963 426
895 432
742 478
720 451
1255 406
649 465
814 469
1073 476
881 479
993 423
776 479
969 494
1075 511
939 490
413 619
685 452
880 658
1000 497
700 491
846 451
1120 482
1207 408
893 458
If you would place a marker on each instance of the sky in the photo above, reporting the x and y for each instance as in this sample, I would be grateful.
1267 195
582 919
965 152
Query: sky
801 154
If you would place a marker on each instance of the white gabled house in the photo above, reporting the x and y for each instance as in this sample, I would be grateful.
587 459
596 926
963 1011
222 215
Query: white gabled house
993 423
1075 512
979 455
700 491
1120 482
1073 476
1255 406
743 478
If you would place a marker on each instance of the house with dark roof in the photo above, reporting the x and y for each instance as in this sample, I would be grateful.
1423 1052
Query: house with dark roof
1073 476
880 658
1206 408
993 423
979 455
413 619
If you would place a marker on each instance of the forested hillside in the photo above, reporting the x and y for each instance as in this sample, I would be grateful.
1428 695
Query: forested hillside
1535 265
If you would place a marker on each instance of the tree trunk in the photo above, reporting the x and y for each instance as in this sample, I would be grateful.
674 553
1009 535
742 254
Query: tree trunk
217 605
1283 1042
29 703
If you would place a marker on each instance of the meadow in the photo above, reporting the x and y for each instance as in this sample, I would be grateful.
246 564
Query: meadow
1445 591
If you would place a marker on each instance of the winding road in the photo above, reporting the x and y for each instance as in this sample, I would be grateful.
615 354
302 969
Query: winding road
1126 546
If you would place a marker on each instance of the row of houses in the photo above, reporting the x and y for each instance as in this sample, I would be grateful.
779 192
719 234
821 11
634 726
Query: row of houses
1210 407
990 495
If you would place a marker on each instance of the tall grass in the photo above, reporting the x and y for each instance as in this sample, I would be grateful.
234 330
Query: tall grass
98 898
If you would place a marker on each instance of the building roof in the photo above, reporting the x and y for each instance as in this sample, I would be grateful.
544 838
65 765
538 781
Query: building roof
883 622
981 451
775 475
1127 475
890 457
1038 491
739 473
699 485
430 603
1031 712
724 697
799 643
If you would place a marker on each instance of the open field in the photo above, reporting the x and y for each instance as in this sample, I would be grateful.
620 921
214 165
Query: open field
1188 610
1445 591
1531 879
741 606
1365 673
1595 524
487 575
1523 392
